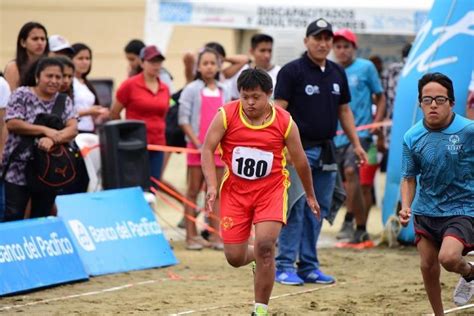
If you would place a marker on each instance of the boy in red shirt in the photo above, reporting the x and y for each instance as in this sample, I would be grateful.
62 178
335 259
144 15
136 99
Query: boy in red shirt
253 136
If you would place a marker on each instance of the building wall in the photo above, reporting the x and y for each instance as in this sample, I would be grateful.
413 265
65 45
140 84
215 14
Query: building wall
105 26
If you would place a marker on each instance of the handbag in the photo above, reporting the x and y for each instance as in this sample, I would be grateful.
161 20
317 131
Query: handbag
54 171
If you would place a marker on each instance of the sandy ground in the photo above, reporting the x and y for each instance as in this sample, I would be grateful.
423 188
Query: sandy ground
376 281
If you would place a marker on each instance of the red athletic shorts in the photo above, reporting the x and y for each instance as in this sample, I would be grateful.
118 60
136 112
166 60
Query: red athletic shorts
246 202
367 174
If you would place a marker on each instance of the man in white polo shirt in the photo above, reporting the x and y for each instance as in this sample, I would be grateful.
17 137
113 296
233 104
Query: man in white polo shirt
261 48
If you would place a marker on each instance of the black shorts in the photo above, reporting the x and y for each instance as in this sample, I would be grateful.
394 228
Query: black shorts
436 228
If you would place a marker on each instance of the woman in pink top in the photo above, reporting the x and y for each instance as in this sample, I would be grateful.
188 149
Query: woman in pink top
198 104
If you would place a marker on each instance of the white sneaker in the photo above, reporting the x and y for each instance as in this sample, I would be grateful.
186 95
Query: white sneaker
463 292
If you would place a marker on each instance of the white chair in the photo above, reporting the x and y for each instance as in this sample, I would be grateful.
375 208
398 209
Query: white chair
88 143
150 198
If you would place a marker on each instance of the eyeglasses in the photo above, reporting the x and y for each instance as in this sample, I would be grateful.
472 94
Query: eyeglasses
439 99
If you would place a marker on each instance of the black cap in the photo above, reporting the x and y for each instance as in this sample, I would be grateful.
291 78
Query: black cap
318 26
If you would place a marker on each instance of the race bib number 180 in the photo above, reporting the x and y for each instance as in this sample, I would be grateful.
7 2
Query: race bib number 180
251 163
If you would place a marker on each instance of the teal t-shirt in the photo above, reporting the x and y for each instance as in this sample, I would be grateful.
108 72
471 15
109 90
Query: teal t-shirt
363 82
443 161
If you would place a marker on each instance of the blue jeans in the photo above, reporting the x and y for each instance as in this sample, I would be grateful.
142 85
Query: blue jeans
156 164
298 239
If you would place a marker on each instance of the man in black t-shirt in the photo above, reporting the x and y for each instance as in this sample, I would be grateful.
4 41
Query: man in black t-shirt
316 93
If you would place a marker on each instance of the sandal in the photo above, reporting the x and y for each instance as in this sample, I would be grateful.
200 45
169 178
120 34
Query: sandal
194 246
197 243
217 246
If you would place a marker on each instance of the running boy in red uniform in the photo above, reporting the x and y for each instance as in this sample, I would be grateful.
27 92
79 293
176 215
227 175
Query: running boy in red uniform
253 135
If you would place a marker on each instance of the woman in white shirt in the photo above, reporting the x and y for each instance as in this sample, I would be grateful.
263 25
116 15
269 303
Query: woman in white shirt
4 96
86 102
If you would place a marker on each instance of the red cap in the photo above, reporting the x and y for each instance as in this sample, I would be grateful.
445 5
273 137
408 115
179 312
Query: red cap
346 34
149 52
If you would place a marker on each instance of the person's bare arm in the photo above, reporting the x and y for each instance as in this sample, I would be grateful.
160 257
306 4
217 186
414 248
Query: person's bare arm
68 133
12 75
48 136
408 190
3 132
115 111
21 127
94 111
281 103
380 103
213 137
236 63
300 162
189 60
347 122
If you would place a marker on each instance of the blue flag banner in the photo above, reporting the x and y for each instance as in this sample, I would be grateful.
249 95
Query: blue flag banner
445 43
115 231
36 253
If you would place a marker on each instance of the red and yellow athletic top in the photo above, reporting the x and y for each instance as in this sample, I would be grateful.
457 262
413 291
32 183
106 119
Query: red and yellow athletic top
251 153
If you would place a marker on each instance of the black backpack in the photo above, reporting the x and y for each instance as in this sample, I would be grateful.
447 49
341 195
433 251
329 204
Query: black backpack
174 133
54 171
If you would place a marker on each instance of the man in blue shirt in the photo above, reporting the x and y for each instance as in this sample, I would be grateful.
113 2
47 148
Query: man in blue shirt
439 150
315 92
364 83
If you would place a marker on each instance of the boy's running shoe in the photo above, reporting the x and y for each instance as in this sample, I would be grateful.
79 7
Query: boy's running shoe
260 312
463 292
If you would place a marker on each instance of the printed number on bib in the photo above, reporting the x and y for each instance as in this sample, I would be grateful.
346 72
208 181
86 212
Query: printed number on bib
251 163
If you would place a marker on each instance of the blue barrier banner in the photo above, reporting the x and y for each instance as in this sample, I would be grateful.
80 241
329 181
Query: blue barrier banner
115 231
36 253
